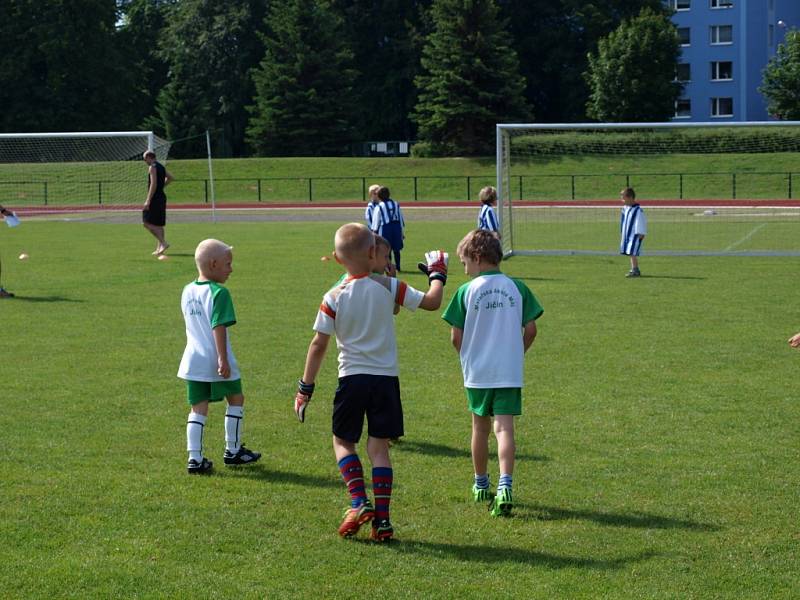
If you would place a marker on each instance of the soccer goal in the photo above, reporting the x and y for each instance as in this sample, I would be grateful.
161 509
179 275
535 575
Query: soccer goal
76 171
707 188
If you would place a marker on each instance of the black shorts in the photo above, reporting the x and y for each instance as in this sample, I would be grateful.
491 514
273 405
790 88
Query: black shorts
157 213
377 397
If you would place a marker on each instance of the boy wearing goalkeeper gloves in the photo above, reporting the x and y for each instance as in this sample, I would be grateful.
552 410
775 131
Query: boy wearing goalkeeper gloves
493 320
208 364
359 312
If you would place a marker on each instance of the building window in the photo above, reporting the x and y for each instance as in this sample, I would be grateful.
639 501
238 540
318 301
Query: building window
721 3
683 108
722 107
680 4
683 72
721 70
722 34
683 34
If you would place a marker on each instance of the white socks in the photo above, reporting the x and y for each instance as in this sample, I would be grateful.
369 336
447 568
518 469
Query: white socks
233 428
194 436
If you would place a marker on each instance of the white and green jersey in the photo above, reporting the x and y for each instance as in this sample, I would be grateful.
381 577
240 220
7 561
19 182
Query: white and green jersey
491 310
205 305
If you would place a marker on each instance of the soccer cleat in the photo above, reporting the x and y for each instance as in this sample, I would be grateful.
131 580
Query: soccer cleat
634 273
482 494
243 457
199 468
381 531
502 504
4 293
354 518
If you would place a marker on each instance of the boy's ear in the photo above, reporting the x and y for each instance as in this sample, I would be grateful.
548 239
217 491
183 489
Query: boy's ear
336 258
372 250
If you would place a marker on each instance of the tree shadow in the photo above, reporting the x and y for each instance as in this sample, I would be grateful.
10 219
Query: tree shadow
636 520
506 554
263 473
45 299
450 452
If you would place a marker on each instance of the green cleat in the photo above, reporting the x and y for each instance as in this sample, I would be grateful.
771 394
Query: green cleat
502 504
482 494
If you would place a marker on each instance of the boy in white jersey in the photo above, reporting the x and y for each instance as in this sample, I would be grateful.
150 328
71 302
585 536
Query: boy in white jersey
208 364
493 320
633 228
359 312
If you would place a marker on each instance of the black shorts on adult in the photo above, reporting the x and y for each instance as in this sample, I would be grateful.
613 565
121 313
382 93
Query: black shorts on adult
377 397
157 213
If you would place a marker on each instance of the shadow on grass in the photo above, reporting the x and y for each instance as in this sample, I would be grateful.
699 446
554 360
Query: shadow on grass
638 520
272 476
449 452
672 277
505 554
45 299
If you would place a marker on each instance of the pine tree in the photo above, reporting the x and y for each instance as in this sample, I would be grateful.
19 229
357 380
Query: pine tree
471 79
632 76
304 102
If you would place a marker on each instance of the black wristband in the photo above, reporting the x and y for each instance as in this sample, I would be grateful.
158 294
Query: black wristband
436 275
307 389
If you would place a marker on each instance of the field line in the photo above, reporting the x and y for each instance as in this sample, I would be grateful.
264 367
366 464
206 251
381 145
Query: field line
747 237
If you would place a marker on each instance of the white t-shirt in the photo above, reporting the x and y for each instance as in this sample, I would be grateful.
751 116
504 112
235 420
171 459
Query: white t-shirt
206 305
360 313
491 310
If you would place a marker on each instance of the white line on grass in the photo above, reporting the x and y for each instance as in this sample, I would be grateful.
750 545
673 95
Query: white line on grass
745 238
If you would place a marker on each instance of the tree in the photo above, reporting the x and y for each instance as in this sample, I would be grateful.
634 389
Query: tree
210 48
304 103
781 79
632 76
60 66
470 79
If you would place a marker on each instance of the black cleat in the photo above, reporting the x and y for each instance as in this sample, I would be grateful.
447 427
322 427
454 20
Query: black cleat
242 457
203 467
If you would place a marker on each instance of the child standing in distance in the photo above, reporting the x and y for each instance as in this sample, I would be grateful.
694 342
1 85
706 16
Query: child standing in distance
359 312
372 202
208 364
493 320
387 221
633 228
487 219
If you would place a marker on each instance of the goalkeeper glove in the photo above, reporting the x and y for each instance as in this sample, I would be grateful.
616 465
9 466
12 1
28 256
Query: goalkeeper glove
302 398
435 265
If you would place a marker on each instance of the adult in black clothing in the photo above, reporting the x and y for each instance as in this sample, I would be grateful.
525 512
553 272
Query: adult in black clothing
154 215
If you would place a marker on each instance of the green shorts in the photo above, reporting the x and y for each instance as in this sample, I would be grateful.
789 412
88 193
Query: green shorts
487 402
213 391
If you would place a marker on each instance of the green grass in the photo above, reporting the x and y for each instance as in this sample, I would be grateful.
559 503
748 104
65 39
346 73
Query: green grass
657 452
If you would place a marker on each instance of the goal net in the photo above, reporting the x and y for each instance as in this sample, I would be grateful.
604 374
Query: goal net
42 172
706 188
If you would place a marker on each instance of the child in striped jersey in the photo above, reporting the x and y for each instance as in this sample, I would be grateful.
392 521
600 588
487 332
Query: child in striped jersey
388 222
633 228
372 203
487 219
208 364
359 313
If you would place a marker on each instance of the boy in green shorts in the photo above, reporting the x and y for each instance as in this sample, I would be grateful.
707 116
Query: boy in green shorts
208 364
493 320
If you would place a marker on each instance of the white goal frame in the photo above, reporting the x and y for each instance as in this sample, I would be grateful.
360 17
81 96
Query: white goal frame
504 177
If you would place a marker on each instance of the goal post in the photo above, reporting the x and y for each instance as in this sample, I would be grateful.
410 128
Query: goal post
78 171
710 188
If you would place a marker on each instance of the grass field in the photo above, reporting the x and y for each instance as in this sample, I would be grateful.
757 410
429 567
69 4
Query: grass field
657 452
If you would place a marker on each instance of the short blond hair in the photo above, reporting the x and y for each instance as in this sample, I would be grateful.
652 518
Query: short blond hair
353 240
209 250
481 245
488 195
373 189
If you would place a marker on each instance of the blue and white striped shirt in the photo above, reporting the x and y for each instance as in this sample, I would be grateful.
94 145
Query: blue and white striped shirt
487 219
368 213
632 224
385 212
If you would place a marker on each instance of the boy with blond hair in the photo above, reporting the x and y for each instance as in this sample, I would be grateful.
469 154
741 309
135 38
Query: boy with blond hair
208 364
359 313
493 323
372 203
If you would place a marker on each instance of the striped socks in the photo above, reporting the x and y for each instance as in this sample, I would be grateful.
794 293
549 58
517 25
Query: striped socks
382 478
504 482
482 481
353 475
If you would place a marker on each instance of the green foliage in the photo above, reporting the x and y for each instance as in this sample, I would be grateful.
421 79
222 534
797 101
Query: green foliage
781 79
470 79
632 74
210 48
304 103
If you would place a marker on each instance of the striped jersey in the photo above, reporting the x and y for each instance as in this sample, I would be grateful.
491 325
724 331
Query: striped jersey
360 313
487 219
632 223
385 212
491 310
206 305
368 213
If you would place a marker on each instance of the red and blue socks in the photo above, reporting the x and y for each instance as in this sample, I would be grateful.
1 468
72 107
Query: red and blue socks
353 475
382 490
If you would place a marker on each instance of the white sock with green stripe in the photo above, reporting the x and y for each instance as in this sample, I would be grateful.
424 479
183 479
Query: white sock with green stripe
194 435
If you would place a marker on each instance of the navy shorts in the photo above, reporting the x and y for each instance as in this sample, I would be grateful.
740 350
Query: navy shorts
377 397
157 213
